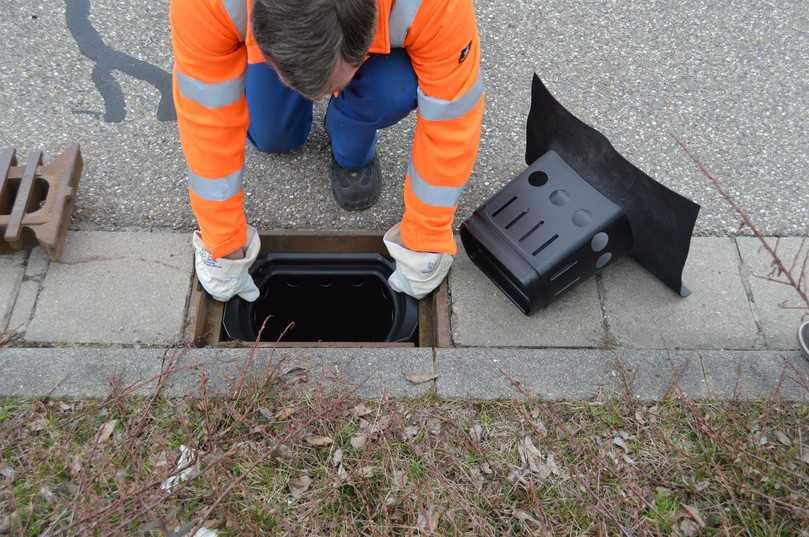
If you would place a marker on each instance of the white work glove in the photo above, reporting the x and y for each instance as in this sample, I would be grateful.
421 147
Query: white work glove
417 273
224 278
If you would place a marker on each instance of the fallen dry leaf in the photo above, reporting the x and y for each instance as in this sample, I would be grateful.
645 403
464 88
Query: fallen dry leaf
476 433
522 516
409 432
282 452
532 457
38 424
367 471
105 431
360 410
688 527
7 471
358 441
428 521
337 458
380 425
420 378
318 441
784 439
285 413
618 441
342 475
693 512
75 466
299 486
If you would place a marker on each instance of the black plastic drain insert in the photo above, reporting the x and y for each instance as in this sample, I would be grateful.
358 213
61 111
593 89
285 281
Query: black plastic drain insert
337 297
572 232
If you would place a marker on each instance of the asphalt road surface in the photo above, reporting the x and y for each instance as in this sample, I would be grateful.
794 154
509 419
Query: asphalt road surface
731 79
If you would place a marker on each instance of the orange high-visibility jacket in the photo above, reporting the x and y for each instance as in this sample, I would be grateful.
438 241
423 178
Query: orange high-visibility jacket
213 43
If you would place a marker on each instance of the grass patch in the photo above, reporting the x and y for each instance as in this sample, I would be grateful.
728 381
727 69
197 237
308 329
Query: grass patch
273 460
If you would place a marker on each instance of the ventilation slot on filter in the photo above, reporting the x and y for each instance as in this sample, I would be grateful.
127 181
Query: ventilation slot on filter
531 231
545 245
503 208
564 269
516 219
568 286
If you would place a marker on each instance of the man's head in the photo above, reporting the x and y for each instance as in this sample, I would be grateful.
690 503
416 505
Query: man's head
315 46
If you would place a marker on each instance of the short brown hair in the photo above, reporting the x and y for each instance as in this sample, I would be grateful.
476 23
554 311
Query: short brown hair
304 38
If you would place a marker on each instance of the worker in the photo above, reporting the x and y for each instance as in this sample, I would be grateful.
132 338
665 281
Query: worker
251 69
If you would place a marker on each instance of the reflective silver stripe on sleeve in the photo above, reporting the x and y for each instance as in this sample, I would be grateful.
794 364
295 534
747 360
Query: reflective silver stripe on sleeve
439 109
220 189
401 17
238 14
210 94
437 196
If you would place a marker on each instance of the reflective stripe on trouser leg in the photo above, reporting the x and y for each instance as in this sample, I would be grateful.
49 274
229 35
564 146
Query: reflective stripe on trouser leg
382 93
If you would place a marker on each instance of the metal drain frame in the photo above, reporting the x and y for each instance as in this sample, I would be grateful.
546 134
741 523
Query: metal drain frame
204 317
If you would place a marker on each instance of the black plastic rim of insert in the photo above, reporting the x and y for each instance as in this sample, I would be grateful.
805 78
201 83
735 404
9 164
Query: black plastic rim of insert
240 322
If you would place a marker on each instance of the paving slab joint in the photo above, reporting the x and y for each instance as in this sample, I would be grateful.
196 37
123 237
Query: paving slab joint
746 273
5 317
609 341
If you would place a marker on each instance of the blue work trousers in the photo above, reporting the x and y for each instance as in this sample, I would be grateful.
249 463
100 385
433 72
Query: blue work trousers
382 92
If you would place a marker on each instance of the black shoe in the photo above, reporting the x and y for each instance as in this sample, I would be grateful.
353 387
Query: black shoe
358 189
803 338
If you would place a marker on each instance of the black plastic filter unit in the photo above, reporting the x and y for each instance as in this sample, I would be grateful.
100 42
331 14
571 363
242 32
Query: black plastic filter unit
578 207
545 232
323 298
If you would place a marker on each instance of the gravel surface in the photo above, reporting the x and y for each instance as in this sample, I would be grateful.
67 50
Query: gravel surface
729 78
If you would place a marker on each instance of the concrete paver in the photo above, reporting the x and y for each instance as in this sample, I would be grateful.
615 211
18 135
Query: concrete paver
551 373
91 372
11 272
115 288
482 315
23 306
643 313
370 373
557 374
779 323
76 372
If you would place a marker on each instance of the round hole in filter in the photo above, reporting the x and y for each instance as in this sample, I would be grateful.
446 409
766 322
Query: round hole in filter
538 179
603 260
600 241
559 197
582 218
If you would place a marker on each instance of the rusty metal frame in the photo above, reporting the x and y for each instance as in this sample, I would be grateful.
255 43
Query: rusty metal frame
36 200
204 319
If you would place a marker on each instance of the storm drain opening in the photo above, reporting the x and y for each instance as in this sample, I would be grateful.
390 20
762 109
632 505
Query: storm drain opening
321 290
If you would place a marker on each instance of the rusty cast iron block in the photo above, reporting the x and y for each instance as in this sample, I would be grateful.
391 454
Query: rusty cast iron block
36 200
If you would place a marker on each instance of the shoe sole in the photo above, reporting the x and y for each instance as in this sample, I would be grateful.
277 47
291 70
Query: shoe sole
803 338
355 207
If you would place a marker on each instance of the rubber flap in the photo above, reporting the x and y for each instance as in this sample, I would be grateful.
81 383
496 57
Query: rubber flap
661 220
